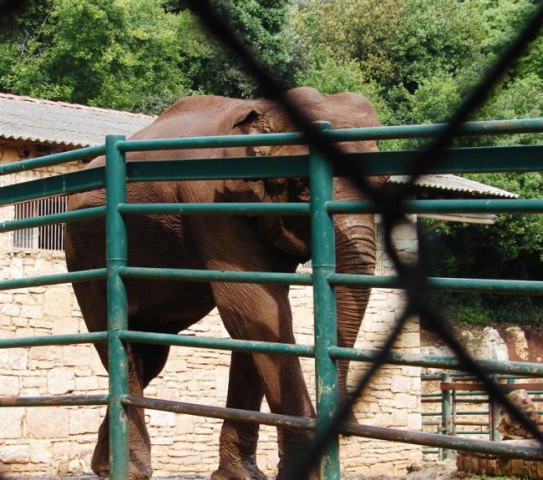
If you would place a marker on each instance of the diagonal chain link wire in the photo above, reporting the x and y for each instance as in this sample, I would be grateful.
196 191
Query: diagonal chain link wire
392 209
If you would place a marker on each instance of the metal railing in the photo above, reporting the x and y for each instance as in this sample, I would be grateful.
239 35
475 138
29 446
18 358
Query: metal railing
460 407
115 175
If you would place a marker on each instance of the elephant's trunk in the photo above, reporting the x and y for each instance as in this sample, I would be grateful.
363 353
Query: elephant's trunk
355 253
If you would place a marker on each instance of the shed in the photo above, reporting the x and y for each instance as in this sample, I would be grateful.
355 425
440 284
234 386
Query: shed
448 186
60 125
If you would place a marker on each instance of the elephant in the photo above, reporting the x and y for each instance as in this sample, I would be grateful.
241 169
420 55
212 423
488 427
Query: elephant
227 242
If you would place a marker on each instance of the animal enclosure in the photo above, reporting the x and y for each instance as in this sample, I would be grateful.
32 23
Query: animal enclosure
492 158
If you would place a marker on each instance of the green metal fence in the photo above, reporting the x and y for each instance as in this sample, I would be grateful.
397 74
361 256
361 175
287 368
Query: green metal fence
115 175
460 407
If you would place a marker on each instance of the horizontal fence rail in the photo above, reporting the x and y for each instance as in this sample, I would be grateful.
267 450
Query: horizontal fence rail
118 172
480 159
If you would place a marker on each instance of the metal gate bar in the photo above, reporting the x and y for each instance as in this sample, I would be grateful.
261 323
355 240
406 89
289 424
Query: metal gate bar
117 308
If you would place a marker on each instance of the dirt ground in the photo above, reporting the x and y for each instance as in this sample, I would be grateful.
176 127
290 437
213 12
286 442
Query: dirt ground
426 472
432 471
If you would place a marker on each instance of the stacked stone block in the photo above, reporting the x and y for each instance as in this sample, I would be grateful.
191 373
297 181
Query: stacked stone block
487 464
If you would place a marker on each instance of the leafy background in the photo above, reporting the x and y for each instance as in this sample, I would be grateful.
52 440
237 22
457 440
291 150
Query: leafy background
414 59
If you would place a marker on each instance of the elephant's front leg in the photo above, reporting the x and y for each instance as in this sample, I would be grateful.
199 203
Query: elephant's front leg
262 313
238 441
287 394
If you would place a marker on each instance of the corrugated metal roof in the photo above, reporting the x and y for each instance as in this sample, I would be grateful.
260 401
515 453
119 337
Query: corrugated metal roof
454 183
58 123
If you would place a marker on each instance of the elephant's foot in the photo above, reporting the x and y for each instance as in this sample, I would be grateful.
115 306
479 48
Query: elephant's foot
284 474
101 469
99 463
246 470
132 475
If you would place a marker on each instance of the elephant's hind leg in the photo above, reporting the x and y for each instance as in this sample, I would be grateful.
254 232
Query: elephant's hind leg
145 362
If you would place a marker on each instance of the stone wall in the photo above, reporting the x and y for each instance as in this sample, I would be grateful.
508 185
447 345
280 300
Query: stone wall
485 464
60 439
41 440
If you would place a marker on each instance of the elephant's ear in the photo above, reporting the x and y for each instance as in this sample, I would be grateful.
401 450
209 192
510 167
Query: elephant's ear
238 190
284 233
249 117
245 120
243 115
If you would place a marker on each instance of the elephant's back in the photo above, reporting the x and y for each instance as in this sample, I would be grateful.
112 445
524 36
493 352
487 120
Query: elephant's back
155 241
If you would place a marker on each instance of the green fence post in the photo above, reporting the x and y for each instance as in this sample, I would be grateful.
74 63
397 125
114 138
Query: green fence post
323 259
116 251
446 415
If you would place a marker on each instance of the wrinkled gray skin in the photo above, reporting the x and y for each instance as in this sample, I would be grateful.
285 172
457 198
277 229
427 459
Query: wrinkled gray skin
249 311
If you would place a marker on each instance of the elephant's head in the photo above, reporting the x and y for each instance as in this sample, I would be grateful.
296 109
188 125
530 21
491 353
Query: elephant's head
342 110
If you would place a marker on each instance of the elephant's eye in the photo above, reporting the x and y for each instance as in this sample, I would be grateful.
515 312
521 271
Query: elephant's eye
261 151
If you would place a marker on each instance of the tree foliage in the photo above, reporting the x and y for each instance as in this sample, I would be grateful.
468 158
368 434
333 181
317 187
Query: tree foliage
263 26
415 60
134 55
399 46
509 249
116 54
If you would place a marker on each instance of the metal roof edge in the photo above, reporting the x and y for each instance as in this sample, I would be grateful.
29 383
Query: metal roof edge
454 183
